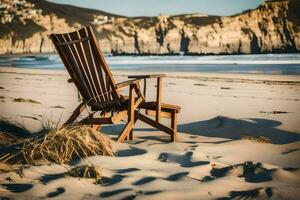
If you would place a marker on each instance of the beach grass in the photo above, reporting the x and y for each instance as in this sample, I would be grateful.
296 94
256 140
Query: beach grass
61 146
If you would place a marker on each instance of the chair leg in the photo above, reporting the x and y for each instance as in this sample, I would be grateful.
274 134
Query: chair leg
174 126
127 131
75 113
130 136
171 131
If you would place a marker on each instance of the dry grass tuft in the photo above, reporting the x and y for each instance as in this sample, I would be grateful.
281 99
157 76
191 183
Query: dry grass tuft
8 139
86 171
62 146
259 139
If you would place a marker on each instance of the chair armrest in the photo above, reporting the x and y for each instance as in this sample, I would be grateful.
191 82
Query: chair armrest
126 83
147 76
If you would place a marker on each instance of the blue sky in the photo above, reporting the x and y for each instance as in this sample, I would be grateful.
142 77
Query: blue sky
155 7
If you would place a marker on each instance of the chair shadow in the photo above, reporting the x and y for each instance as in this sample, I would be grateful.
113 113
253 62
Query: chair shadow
225 127
236 129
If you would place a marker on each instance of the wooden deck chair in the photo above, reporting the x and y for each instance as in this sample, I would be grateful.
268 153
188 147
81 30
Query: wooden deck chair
83 59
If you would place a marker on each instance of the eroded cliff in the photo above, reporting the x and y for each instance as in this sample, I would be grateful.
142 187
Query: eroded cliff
272 27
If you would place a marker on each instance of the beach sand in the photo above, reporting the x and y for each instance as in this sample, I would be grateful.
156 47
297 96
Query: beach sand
215 156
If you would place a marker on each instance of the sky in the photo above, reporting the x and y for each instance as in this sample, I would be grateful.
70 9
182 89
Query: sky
155 7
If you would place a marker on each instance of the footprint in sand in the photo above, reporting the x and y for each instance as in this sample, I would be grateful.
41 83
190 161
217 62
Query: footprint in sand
121 171
249 194
183 160
253 173
58 191
144 180
50 177
133 194
57 106
22 100
177 176
106 181
114 192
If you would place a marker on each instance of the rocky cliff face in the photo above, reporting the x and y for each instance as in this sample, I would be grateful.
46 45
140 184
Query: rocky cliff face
272 27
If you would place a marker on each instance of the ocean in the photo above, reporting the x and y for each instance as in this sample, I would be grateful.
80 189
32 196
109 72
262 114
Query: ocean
286 64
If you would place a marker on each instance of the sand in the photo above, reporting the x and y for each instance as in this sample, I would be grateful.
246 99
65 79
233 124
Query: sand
216 156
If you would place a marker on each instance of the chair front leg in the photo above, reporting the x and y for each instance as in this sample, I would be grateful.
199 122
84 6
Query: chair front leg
127 131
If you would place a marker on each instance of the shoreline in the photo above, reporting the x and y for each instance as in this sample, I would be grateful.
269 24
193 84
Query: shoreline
145 55
213 76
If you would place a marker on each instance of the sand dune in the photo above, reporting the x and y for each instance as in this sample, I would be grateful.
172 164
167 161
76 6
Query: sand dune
220 153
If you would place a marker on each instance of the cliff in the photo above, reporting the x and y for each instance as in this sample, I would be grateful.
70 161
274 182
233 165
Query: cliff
273 27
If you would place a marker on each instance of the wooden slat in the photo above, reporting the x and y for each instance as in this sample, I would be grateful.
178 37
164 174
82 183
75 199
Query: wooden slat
71 66
108 86
164 106
65 61
81 77
90 66
103 62
98 72
98 68
80 55
77 65
162 114
126 83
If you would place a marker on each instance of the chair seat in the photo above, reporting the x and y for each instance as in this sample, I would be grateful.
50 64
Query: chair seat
118 104
164 107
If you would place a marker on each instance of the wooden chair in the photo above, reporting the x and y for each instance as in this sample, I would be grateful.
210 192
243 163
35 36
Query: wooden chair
83 59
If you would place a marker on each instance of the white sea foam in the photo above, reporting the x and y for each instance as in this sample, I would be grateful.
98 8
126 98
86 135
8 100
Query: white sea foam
204 62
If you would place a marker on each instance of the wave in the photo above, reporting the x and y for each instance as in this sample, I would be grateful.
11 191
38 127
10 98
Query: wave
265 63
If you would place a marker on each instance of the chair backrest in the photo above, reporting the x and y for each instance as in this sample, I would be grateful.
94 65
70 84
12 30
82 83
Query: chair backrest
83 59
